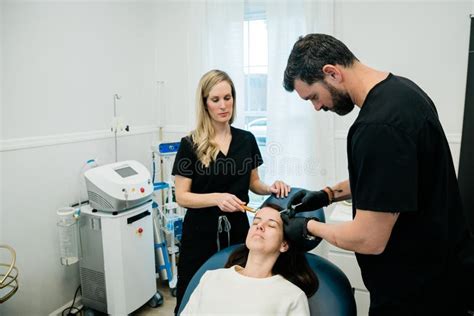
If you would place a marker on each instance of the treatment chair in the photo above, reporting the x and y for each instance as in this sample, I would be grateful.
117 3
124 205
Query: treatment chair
334 296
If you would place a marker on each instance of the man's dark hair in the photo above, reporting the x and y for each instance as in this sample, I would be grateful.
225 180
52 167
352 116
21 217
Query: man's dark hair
308 56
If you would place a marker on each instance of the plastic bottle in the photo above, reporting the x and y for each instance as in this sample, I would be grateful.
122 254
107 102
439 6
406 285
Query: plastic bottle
68 236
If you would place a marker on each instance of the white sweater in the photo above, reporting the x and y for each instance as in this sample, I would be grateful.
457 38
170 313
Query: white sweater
227 292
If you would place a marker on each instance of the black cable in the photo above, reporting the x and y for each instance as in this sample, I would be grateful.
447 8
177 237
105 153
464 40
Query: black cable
70 308
82 203
72 311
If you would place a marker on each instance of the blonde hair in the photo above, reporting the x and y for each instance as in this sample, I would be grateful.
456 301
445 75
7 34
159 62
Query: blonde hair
203 136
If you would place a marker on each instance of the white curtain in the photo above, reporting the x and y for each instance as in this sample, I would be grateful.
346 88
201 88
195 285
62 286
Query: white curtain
300 141
215 41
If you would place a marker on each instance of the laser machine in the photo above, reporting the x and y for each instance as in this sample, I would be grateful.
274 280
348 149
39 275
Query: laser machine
117 266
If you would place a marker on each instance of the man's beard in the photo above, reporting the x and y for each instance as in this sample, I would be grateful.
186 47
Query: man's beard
341 101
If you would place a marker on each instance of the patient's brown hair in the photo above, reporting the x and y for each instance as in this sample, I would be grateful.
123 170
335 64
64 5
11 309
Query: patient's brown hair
292 265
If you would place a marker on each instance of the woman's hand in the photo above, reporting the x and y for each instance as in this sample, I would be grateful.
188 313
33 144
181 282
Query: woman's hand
229 203
280 189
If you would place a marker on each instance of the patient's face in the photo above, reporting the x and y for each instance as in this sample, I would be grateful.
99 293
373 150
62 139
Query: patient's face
266 232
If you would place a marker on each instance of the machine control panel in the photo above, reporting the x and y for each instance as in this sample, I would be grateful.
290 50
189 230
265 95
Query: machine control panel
118 186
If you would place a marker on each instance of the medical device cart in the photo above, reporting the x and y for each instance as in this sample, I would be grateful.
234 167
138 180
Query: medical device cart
168 219
117 267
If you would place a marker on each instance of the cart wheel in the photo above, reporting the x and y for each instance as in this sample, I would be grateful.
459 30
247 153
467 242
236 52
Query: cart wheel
89 312
156 300
173 292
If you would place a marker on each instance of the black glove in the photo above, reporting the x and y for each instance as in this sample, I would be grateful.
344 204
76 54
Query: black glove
294 227
310 201
296 232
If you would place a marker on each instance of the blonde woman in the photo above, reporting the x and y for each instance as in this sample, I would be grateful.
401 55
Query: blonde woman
215 167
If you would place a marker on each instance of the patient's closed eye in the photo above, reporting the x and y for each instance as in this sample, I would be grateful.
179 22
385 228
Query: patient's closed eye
271 223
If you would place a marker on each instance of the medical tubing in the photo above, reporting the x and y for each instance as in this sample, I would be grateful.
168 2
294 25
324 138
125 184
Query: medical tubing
70 308
170 193
153 167
10 277
7 278
11 265
227 227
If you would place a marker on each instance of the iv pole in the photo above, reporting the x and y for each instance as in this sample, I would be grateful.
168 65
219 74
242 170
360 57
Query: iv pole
116 97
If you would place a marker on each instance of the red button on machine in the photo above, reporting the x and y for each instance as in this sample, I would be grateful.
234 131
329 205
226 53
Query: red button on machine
142 190
140 230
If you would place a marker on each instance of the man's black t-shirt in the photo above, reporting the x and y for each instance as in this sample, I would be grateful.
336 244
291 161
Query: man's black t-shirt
399 161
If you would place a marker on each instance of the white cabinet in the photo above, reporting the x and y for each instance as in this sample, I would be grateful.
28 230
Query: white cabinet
347 261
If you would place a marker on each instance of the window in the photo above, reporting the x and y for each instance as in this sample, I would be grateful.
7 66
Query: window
255 71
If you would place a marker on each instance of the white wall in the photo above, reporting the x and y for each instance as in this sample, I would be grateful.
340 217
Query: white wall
62 62
180 63
1 119
426 41
71 58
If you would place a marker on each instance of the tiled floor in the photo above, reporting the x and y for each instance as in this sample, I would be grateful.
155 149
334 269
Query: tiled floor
167 309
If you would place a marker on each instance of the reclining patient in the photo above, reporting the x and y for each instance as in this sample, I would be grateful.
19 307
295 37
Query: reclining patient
267 276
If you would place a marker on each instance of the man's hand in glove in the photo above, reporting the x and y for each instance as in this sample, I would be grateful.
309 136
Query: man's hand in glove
308 201
296 229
